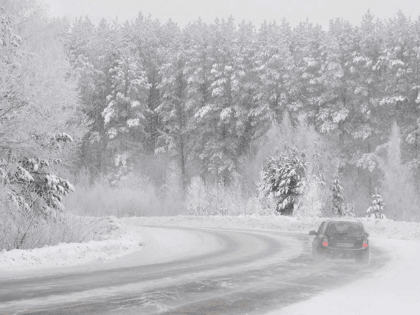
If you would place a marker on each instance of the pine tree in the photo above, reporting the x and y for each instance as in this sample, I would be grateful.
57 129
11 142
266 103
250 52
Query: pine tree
368 122
125 113
174 136
274 68
333 106
89 50
308 51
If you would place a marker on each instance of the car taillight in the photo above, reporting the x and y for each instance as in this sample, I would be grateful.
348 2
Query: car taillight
325 241
365 244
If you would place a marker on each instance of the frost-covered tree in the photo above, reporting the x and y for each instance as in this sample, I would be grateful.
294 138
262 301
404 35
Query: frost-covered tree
215 120
282 179
149 39
33 187
377 207
40 121
125 113
337 201
274 66
174 135
308 51
397 183
89 50
369 115
333 105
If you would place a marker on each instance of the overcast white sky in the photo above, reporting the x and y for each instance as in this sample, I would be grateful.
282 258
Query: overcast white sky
256 11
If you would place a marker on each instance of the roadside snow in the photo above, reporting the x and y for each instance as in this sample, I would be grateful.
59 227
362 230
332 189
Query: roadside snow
394 289
376 228
65 254
119 245
115 241
116 238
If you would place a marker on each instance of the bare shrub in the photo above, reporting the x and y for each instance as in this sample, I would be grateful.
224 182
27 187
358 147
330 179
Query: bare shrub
313 200
134 195
173 192
25 229
220 199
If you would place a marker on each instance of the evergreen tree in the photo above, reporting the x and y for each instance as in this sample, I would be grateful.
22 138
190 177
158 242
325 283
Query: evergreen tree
337 196
377 207
125 113
274 68
90 53
282 178
174 136
308 51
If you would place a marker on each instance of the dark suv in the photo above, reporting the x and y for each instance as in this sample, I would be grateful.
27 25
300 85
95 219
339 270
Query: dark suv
341 238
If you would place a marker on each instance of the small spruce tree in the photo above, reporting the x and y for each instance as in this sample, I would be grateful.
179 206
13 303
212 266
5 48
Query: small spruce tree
348 210
337 196
375 211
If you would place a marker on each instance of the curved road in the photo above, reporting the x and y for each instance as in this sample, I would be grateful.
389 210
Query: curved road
248 272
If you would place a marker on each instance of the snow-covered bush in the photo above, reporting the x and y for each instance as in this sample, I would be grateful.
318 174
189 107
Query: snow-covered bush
283 178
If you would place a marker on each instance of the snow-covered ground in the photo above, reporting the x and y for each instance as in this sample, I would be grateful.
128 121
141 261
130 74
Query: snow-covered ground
119 243
376 228
119 238
395 287
113 240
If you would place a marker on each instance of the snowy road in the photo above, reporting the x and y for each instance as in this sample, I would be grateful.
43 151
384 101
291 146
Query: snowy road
212 271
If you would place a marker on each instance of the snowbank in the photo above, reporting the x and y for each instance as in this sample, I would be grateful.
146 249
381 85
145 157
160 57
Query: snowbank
67 254
117 245
114 238
376 228
113 241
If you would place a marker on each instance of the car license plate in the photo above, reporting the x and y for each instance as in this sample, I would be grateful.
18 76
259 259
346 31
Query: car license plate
346 245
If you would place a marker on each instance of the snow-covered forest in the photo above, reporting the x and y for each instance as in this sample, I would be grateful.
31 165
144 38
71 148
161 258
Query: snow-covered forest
145 118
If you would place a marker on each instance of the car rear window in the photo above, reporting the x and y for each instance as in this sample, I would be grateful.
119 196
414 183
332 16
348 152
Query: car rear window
344 228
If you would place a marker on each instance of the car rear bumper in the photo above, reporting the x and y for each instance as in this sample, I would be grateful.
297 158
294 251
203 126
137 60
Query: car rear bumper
350 253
